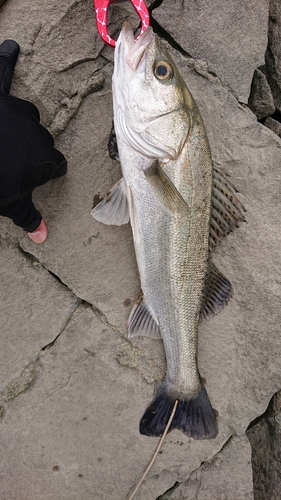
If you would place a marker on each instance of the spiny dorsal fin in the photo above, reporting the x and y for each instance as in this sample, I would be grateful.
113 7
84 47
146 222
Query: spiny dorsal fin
141 321
227 210
218 291
114 208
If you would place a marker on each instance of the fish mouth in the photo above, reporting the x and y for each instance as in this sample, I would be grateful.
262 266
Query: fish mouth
135 51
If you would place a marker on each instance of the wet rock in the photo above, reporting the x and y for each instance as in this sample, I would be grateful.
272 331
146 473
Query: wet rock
261 101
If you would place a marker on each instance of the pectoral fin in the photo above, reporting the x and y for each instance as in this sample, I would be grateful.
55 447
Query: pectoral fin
114 208
164 189
142 322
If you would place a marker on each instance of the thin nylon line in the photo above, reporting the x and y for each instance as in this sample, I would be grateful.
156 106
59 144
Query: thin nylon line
156 451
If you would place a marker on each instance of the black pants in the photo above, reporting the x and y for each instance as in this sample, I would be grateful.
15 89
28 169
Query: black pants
22 211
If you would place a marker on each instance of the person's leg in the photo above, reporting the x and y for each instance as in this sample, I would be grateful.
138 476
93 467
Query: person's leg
24 214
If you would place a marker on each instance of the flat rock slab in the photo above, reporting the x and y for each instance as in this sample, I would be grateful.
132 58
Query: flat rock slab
218 479
74 433
34 309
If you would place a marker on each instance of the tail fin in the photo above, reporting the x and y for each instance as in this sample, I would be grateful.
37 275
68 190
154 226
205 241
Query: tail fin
195 417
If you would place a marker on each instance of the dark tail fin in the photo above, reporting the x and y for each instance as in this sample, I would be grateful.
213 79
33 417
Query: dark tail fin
195 417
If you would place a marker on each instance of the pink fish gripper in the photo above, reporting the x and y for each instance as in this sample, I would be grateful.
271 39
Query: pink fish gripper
101 10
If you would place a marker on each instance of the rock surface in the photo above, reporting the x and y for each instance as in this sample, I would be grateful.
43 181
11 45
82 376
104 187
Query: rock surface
273 52
218 479
273 125
26 325
230 39
265 438
74 389
261 101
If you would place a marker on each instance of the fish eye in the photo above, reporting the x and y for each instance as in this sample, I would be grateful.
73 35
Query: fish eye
163 71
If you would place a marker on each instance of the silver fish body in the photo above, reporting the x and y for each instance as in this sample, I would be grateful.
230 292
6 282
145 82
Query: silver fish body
166 193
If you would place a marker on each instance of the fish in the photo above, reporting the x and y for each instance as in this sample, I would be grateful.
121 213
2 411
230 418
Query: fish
179 205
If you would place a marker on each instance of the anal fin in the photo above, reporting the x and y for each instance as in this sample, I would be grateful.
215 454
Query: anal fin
114 207
218 291
142 322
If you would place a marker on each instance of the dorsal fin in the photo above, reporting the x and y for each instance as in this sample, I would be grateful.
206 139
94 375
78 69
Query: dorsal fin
218 291
227 210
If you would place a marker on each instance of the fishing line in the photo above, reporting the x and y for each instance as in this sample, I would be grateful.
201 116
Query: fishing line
156 451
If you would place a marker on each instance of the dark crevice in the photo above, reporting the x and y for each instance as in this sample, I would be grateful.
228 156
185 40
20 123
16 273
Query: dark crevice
168 493
78 63
203 465
260 101
79 301
27 255
257 420
264 434
155 5
161 32
48 346
275 116
33 259
57 278
268 413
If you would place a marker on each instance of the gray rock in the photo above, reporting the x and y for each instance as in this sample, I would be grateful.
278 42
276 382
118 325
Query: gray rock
265 439
231 39
219 479
273 52
261 101
34 309
74 436
273 125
